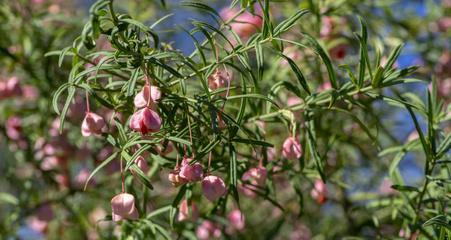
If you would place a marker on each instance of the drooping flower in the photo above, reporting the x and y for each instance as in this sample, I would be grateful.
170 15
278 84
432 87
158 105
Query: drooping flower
142 164
213 187
93 124
191 173
175 178
236 220
253 179
123 207
246 23
291 149
145 120
10 88
208 230
319 191
14 128
148 96
187 212
219 79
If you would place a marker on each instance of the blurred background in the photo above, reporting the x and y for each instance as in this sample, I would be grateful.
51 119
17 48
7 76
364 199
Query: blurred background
43 171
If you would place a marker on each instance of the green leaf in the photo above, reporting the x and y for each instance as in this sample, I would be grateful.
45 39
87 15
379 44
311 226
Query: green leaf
8 198
289 22
405 188
298 72
325 57
253 142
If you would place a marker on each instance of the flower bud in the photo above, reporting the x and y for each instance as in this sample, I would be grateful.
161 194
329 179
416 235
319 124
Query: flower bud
219 79
236 220
145 120
291 149
191 173
147 96
253 179
142 164
123 207
213 187
92 124
319 191
208 230
14 128
186 212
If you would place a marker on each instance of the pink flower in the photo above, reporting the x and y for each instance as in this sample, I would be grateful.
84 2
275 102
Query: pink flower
92 124
123 207
213 187
191 173
253 179
142 164
186 212
145 120
10 88
14 128
444 87
81 178
444 24
147 96
324 87
327 27
40 221
176 179
236 219
338 52
385 187
245 24
319 191
219 79
208 230
291 149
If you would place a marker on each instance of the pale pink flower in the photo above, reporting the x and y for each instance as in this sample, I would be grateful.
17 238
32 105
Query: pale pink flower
93 124
291 149
327 27
236 220
253 179
142 164
208 230
175 178
385 187
444 24
213 187
219 79
14 128
81 178
319 191
148 96
123 207
145 120
324 86
30 93
444 87
245 24
187 212
191 173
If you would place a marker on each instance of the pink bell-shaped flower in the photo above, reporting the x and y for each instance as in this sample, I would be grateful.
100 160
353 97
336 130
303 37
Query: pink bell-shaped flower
319 191
145 120
253 179
246 23
213 187
123 207
219 79
142 164
147 96
175 178
236 220
14 128
291 149
92 124
208 230
191 173
187 212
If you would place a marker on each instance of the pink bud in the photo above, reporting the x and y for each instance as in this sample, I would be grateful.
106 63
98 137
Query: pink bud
245 24
219 79
123 207
385 187
81 178
92 124
213 187
252 180
142 164
148 95
444 87
13 87
291 149
325 86
192 173
186 212
208 230
145 120
327 27
14 128
236 219
319 191
176 179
